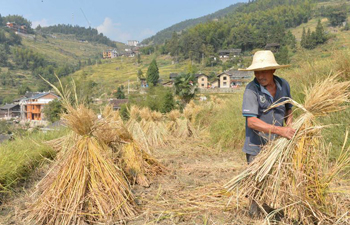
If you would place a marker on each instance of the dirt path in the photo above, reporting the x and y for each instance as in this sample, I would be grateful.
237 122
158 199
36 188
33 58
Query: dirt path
190 193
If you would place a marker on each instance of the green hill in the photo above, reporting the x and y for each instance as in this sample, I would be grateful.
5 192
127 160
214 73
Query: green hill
26 56
166 34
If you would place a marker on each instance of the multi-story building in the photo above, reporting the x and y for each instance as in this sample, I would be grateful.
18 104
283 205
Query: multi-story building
133 43
33 103
110 54
202 80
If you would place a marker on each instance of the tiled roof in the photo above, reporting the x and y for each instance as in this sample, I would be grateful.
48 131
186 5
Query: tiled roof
8 106
37 96
200 74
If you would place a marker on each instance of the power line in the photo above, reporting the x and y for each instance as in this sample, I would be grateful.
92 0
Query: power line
85 17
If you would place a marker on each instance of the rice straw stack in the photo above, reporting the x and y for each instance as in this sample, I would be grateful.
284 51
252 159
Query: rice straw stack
153 127
137 164
134 127
295 176
177 125
84 186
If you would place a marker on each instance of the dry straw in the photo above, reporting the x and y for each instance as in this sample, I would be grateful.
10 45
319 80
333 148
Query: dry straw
295 175
85 186
179 126
153 127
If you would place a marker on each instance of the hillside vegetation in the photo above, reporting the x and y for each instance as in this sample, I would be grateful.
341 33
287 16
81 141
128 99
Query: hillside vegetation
165 34
24 57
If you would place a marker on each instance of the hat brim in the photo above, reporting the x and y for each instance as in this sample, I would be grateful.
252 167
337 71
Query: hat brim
265 68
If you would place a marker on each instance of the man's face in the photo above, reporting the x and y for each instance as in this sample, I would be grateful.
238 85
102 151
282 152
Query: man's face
264 77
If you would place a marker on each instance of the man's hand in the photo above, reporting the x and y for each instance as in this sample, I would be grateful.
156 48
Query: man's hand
286 132
259 125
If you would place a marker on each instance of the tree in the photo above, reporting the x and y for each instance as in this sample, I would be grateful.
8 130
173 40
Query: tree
23 89
139 58
3 56
320 35
38 28
184 87
53 110
337 15
140 74
303 38
168 102
282 56
153 73
191 69
119 94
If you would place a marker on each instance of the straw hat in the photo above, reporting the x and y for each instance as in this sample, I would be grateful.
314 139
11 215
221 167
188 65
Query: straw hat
264 60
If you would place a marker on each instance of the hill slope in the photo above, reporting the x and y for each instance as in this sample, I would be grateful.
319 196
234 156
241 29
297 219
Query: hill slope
165 34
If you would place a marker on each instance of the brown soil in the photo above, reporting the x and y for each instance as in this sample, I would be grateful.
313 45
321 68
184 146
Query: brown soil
191 192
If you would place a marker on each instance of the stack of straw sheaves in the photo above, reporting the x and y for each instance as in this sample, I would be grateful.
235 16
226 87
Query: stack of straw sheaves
86 186
294 176
152 129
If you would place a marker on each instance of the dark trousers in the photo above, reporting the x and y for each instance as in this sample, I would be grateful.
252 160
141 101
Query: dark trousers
250 158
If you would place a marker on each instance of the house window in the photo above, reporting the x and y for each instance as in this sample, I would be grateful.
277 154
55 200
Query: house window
225 84
202 79
202 85
225 78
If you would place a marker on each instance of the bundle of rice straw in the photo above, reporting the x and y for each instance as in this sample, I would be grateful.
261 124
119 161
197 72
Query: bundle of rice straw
134 127
178 126
295 176
153 127
137 164
84 185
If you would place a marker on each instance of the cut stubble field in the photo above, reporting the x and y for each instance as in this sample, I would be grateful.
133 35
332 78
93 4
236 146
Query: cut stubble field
191 192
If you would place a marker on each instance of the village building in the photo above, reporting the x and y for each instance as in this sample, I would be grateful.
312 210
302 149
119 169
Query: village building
17 28
143 82
215 84
234 78
10 111
274 47
132 43
229 53
202 80
33 106
110 54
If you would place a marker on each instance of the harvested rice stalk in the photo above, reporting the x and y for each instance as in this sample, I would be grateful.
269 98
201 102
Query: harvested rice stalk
138 165
134 127
191 110
85 187
153 127
135 162
293 175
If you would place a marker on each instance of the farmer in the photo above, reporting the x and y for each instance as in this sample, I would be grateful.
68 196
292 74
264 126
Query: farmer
261 125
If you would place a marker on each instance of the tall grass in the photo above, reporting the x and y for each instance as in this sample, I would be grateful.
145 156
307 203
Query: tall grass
20 157
225 124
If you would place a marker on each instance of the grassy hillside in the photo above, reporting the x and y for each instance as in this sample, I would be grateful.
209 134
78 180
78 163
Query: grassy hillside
58 50
65 48
118 71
